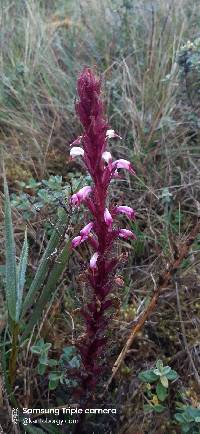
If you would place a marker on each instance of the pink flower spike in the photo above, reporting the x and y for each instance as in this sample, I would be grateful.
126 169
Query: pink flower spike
86 230
81 195
75 151
125 233
111 134
126 210
123 164
76 241
93 261
107 217
77 141
107 157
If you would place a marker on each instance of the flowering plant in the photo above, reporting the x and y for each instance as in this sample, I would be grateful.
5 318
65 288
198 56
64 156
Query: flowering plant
101 231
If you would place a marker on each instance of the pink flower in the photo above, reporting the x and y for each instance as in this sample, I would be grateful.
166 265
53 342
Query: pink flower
76 241
125 233
81 195
76 150
125 210
83 235
111 134
93 261
86 230
107 157
107 217
123 164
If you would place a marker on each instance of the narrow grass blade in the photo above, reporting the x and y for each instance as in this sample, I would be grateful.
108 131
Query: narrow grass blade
44 264
49 288
21 275
2 270
36 430
5 344
52 429
11 275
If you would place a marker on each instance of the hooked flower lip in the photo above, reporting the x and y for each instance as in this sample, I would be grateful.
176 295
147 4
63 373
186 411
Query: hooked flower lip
107 157
86 230
84 233
107 217
76 241
126 233
81 195
93 261
125 210
76 150
112 134
123 164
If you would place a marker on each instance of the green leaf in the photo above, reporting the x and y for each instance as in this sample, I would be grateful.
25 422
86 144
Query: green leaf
159 365
70 383
75 362
38 348
157 372
41 369
3 270
159 408
179 418
21 275
35 350
54 376
148 376
44 263
52 362
11 269
192 412
172 375
51 429
186 428
53 384
46 347
161 392
164 381
68 352
49 289
43 359
35 430
54 379
148 408
62 378
166 370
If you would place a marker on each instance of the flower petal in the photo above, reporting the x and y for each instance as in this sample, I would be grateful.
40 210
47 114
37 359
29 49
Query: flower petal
125 210
93 261
107 157
76 241
75 151
86 230
123 164
107 217
125 233
111 134
81 195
